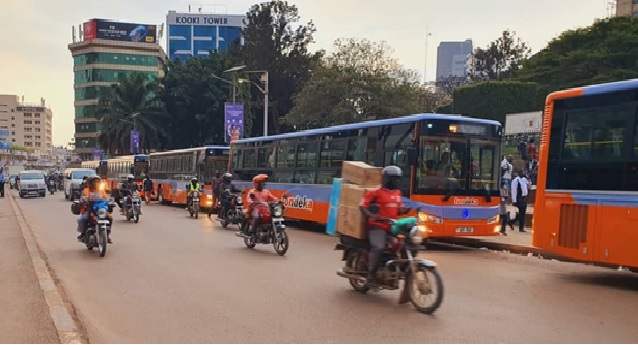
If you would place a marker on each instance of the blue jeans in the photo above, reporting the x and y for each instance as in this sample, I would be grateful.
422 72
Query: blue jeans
507 183
83 221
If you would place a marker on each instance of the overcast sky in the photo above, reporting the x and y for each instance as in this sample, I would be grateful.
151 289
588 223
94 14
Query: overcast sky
35 61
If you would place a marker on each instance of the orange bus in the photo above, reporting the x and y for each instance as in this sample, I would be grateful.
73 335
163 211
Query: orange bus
115 170
450 164
587 192
171 172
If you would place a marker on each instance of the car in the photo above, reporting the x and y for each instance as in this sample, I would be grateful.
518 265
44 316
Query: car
73 179
31 183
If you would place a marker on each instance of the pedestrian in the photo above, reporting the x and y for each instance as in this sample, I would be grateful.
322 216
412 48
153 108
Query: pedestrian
520 187
503 208
3 179
506 173
215 184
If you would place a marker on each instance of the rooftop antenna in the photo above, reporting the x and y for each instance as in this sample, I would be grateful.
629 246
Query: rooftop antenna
73 33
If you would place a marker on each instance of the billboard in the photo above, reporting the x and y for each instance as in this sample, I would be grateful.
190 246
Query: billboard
196 34
233 121
4 144
118 31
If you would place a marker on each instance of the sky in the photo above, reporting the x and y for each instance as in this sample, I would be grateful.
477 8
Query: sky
35 61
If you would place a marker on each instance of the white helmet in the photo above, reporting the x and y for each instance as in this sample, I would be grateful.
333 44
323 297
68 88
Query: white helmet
130 176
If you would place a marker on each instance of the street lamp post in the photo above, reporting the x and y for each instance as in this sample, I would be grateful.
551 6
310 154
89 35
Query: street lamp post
264 79
227 82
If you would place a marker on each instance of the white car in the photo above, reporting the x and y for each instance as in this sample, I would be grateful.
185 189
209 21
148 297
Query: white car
73 179
31 183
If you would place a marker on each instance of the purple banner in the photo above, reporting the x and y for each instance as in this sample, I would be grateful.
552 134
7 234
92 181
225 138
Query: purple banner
233 121
97 154
135 142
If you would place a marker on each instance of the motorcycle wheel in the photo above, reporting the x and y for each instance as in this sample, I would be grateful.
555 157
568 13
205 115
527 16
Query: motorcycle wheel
101 243
250 242
415 291
136 217
358 261
280 242
196 213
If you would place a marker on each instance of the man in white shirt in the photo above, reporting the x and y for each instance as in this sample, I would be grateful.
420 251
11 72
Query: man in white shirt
519 199
506 173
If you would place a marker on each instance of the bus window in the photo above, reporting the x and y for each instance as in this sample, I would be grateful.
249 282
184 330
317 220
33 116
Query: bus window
483 170
332 153
307 154
263 157
305 176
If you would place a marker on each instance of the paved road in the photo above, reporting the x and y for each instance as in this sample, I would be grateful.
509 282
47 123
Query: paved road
24 315
172 279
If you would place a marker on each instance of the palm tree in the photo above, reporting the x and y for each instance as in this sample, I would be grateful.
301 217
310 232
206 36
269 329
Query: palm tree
132 104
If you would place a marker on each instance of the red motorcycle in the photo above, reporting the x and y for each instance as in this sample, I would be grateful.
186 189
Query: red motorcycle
270 227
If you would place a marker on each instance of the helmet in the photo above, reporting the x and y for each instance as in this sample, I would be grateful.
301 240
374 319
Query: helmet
227 177
94 182
194 180
391 176
260 179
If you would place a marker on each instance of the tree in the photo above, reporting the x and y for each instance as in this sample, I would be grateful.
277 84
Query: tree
274 45
132 103
493 100
502 59
449 84
431 99
359 81
195 99
606 51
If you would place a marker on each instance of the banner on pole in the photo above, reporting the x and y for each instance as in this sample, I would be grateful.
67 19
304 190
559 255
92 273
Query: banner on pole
135 142
233 121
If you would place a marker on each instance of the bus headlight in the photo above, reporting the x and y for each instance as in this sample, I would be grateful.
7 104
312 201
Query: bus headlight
494 220
102 186
424 217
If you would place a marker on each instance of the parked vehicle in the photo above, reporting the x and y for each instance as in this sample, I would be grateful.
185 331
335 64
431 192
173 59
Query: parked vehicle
31 183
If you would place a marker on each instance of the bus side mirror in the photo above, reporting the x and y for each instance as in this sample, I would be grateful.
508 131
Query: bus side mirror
412 155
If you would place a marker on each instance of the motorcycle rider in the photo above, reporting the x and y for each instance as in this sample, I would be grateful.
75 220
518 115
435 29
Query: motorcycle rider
127 188
226 184
193 186
92 192
51 178
388 199
261 195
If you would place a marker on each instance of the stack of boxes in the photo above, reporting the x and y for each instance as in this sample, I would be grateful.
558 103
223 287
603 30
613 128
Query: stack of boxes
358 178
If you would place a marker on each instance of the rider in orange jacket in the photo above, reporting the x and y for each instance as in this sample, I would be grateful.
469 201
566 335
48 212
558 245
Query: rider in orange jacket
261 195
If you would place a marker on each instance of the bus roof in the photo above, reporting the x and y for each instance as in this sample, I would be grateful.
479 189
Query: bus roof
368 124
214 147
595 89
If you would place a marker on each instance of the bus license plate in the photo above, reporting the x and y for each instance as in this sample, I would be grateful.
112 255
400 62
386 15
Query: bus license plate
464 229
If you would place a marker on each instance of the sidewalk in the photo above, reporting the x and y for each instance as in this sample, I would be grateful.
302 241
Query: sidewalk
24 317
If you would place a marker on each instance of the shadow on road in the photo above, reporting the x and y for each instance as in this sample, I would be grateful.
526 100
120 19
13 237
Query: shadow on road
615 280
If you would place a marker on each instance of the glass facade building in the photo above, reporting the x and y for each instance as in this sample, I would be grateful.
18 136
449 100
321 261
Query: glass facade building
97 65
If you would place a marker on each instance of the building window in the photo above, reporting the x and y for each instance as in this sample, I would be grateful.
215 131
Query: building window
92 92
38 144
116 59
28 130
37 122
87 127
28 144
37 130
28 122
37 115
107 75
13 132
85 112
13 140
37 137
13 117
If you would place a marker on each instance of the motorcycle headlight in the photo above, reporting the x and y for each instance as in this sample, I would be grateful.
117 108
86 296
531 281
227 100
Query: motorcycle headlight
277 211
416 235
424 217
102 213
196 194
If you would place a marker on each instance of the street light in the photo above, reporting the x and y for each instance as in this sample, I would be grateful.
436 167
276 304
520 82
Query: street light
227 82
264 79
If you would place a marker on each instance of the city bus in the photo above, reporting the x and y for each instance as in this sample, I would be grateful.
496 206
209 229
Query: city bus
172 170
450 164
587 191
116 169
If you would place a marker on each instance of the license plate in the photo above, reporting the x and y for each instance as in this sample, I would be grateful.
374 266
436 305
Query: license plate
196 200
464 229
33 193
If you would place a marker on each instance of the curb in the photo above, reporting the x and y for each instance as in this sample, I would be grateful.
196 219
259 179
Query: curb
512 248
67 327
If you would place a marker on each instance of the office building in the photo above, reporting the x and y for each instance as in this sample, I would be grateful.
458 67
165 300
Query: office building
26 125
197 34
627 8
452 59
105 51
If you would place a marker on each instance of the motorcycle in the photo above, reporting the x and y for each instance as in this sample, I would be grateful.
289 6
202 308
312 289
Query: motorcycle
134 206
193 206
398 262
235 212
99 225
269 229
51 187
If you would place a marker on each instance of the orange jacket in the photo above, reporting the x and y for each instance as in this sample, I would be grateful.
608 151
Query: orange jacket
92 196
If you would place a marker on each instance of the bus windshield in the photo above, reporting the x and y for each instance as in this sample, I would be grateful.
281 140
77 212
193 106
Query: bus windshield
457 165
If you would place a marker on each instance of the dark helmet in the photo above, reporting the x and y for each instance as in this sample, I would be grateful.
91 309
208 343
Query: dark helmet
94 182
391 173
227 177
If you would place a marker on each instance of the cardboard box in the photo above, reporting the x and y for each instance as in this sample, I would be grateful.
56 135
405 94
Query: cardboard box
352 194
361 173
351 222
